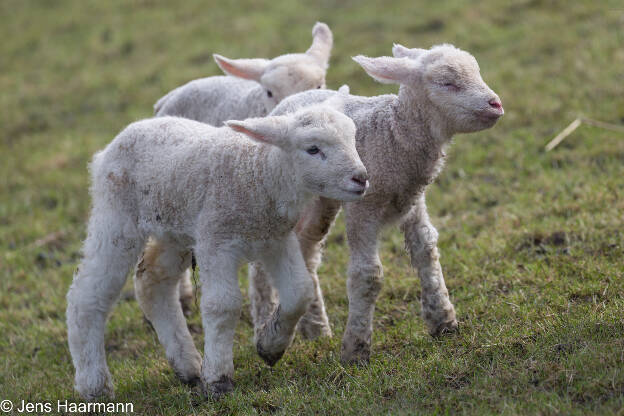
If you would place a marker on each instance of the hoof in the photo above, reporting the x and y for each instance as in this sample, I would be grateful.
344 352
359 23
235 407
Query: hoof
219 388
187 370
101 389
355 353
445 328
271 358
189 381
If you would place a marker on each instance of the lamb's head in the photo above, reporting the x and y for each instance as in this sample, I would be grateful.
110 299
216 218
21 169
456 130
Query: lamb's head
320 143
286 74
446 78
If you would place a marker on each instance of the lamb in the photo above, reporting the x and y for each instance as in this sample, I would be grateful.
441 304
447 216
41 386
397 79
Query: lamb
402 141
255 86
253 89
191 186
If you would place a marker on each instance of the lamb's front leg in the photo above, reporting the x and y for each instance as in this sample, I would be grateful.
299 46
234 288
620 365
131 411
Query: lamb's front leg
290 277
365 276
311 230
421 240
221 302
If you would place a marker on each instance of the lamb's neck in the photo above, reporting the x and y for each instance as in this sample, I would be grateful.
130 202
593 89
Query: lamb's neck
283 185
255 100
417 117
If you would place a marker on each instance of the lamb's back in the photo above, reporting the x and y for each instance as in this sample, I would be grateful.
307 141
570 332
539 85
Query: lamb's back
170 171
213 100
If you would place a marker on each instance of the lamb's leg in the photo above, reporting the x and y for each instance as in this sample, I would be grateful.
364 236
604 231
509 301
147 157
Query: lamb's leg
185 286
290 277
221 302
365 276
110 250
421 240
262 295
311 230
185 290
156 287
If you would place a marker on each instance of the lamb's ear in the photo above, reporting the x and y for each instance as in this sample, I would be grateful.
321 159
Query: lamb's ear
388 70
271 130
400 51
337 101
322 43
344 90
242 68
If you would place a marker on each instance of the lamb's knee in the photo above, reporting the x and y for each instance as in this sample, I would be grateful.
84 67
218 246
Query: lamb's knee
422 244
365 280
221 305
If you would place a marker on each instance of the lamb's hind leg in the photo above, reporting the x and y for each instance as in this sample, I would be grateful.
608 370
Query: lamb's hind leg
156 286
311 231
421 241
185 286
110 250
185 290
290 277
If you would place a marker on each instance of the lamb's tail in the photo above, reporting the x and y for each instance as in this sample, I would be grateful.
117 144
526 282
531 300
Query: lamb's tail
161 102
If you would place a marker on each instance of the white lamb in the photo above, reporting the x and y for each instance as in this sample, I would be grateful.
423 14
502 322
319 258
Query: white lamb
191 186
255 86
402 141
253 89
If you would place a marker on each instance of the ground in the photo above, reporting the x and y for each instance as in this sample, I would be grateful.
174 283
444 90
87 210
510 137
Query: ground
531 242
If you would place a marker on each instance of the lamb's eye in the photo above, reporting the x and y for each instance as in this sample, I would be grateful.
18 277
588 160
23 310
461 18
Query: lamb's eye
313 150
318 88
270 94
450 85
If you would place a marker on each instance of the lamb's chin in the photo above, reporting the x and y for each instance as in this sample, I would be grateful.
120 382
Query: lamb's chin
346 195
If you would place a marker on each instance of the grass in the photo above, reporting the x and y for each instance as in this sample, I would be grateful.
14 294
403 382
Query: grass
532 243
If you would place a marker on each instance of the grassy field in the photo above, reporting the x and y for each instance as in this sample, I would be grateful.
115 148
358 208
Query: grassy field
532 242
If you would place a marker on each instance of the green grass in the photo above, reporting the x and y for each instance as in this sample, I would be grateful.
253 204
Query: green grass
532 242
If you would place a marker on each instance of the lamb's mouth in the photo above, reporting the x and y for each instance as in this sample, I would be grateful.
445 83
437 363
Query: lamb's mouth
489 116
355 192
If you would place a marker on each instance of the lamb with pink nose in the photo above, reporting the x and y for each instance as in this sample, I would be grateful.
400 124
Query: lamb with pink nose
402 141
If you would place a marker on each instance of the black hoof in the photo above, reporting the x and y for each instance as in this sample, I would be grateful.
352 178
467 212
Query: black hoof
357 353
221 387
269 358
193 381
445 328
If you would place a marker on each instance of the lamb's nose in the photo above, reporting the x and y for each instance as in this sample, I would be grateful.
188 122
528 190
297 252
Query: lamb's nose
496 103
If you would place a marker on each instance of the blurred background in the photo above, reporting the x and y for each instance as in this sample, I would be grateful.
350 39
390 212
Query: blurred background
531 242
